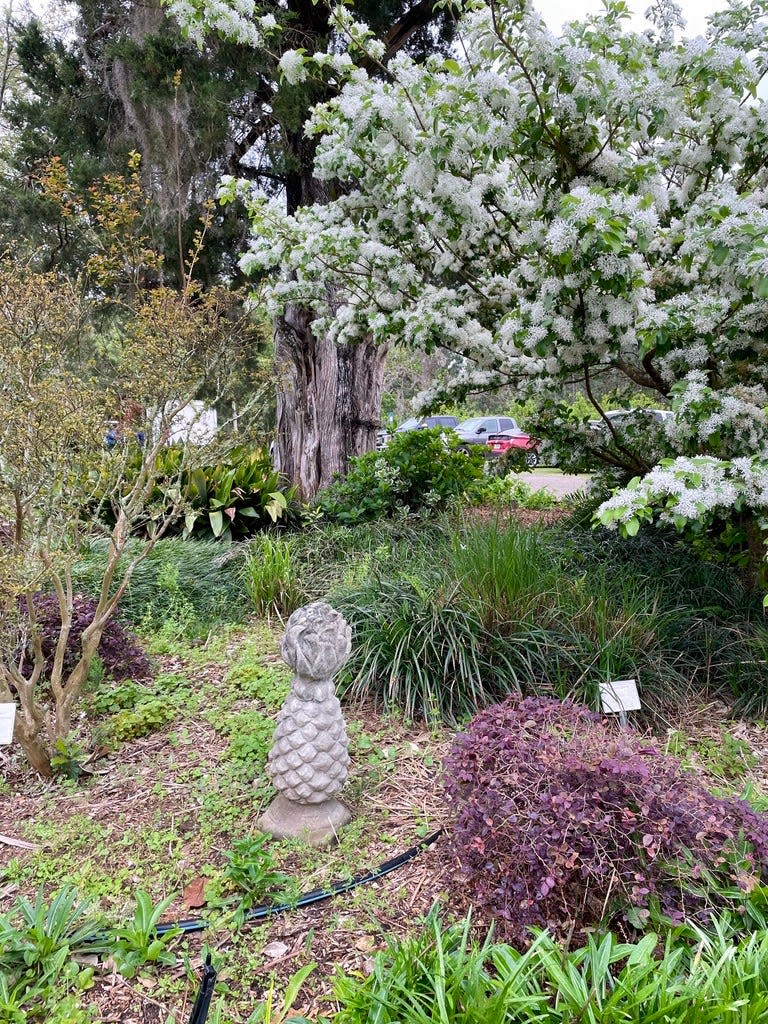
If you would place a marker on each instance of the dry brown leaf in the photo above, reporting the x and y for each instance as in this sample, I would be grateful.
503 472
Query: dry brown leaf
194 893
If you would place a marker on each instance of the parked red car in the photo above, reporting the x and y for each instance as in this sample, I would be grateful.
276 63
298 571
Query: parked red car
500 444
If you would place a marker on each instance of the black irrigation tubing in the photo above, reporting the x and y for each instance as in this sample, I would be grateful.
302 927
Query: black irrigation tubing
204 993
197 924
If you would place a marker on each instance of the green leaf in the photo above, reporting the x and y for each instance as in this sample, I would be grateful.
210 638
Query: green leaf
631 527
216 520
762 288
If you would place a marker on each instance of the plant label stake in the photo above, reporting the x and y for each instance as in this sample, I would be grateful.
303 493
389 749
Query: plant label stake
7 718
619 696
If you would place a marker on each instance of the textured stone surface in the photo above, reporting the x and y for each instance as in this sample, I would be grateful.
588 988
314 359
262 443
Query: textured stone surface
309 758
316 824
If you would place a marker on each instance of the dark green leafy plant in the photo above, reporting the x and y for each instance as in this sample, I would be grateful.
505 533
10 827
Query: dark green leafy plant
227 501
68 757
234 499
32 932
251 870
418 470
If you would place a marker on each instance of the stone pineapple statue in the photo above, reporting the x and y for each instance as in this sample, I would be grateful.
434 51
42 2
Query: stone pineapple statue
309 757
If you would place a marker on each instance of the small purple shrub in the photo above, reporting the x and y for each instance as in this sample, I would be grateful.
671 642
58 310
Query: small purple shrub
563 824
119 649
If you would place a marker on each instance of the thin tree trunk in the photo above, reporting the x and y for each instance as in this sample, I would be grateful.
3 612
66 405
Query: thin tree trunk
29 732
328 401
35 752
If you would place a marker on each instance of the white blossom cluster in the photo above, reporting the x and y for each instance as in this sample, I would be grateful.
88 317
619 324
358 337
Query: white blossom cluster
241 21
690 490
548 207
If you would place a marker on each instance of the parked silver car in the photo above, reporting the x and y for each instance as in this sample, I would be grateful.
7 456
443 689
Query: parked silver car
624 417
478 429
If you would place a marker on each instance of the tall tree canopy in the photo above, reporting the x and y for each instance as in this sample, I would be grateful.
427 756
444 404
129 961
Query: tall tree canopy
125 79
329 394
557 208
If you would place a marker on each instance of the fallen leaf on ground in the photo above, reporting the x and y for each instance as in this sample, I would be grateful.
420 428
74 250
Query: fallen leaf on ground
194 893
274 950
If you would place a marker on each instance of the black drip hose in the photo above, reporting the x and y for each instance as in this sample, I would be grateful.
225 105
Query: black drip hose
204 994
197 924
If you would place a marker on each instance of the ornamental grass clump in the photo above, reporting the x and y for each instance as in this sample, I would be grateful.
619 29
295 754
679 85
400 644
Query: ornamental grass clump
560 822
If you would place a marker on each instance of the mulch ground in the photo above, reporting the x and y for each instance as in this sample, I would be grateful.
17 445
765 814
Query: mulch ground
344 932
525 516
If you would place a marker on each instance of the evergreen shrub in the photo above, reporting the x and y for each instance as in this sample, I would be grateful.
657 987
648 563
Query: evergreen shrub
418 470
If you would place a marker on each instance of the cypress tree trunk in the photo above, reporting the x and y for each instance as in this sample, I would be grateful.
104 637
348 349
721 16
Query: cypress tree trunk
328 396
328 401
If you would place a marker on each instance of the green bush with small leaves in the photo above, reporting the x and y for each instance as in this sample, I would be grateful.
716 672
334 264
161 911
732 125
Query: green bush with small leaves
417 471
144 718
508 491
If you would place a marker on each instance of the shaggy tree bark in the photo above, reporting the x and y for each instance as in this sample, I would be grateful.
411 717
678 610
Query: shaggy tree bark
328 401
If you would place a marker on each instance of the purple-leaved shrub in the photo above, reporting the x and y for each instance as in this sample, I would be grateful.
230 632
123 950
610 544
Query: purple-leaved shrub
560 822
120 652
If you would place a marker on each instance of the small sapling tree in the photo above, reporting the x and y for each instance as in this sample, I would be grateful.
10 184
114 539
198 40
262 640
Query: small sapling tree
58 472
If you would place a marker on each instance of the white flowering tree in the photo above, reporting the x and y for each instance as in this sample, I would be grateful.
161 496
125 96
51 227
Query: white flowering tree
328 392
560 209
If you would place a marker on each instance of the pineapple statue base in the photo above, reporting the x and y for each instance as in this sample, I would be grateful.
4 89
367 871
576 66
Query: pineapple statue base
317 824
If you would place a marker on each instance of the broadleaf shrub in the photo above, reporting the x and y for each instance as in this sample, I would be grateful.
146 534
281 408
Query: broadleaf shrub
228 500
417 470
562 823
120 651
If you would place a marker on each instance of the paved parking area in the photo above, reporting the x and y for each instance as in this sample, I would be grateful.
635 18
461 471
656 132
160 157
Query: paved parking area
560 484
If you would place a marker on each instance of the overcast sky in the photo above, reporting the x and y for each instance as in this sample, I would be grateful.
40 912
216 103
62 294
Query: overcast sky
556 12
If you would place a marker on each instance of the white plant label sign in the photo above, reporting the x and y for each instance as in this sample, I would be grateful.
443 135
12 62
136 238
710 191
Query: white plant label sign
7 718
619 696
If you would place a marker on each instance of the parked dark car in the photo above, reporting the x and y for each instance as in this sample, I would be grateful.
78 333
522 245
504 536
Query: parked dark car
500 444
426 422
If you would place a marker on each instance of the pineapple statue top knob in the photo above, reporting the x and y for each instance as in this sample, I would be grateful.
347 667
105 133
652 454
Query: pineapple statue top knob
317 642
